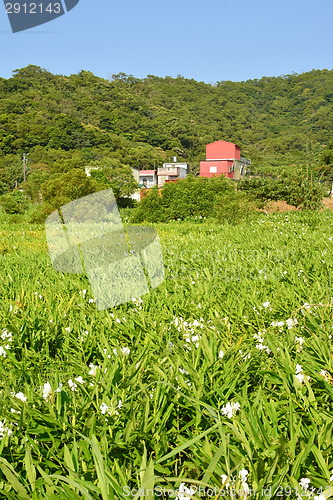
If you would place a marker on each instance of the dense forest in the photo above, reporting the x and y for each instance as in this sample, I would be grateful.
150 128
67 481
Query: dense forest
68 122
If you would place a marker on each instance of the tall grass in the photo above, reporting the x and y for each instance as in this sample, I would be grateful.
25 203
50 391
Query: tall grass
244 316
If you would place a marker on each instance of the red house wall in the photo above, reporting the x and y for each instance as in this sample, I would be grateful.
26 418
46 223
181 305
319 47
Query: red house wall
222 149
221 166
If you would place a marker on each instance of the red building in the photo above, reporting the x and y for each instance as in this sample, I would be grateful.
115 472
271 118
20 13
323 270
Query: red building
223 157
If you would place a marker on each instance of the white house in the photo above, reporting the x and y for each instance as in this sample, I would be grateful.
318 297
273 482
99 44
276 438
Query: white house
172 171
148 178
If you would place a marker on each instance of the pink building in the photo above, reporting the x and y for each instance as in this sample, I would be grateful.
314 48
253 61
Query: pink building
223 157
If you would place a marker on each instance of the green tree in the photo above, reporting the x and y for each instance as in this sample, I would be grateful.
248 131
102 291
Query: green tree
64 188
325 167
117 176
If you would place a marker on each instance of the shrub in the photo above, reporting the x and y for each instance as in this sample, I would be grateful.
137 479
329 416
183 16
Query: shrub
185 198
14 203
305 193
298 190
235 207
150 208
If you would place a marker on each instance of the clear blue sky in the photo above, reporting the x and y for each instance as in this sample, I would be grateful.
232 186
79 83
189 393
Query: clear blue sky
208 40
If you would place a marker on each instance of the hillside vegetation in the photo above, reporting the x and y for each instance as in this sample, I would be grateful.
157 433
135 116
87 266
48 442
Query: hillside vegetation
64 123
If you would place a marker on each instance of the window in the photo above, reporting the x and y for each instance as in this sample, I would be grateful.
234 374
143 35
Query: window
213 170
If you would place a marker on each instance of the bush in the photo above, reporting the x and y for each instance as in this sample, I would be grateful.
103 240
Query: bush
305 193
150 208
265 189
235 207
183 199
40 214
298 190
14 203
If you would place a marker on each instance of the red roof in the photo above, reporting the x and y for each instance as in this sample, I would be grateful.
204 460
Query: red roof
147 172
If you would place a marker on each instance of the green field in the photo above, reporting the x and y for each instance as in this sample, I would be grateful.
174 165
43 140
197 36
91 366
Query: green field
144 395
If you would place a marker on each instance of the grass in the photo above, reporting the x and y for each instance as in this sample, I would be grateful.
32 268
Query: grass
243 316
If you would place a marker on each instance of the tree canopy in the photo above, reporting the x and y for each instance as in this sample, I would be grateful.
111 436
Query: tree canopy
69 122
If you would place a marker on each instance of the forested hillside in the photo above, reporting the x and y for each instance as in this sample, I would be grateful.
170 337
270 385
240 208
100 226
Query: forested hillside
66 122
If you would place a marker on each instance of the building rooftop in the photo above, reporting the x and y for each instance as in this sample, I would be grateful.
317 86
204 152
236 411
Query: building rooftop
147 172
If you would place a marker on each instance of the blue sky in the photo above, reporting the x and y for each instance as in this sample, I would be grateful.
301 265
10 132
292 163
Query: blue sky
209 40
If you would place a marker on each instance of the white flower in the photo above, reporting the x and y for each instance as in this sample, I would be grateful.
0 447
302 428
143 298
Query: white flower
306 306
230 409
4 430
59 388
299 374
277 323
83 335
291 322
80 380
319 497
105 408
72 384
93 369
47 391
109 409
221 354
3 353
304 483
183 371
243 474
137 301
21 396
68 329
224 478
91 301
266 304
124 350
300 341
185 493
6 335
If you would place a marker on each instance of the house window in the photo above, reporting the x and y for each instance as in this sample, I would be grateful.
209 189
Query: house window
213 170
